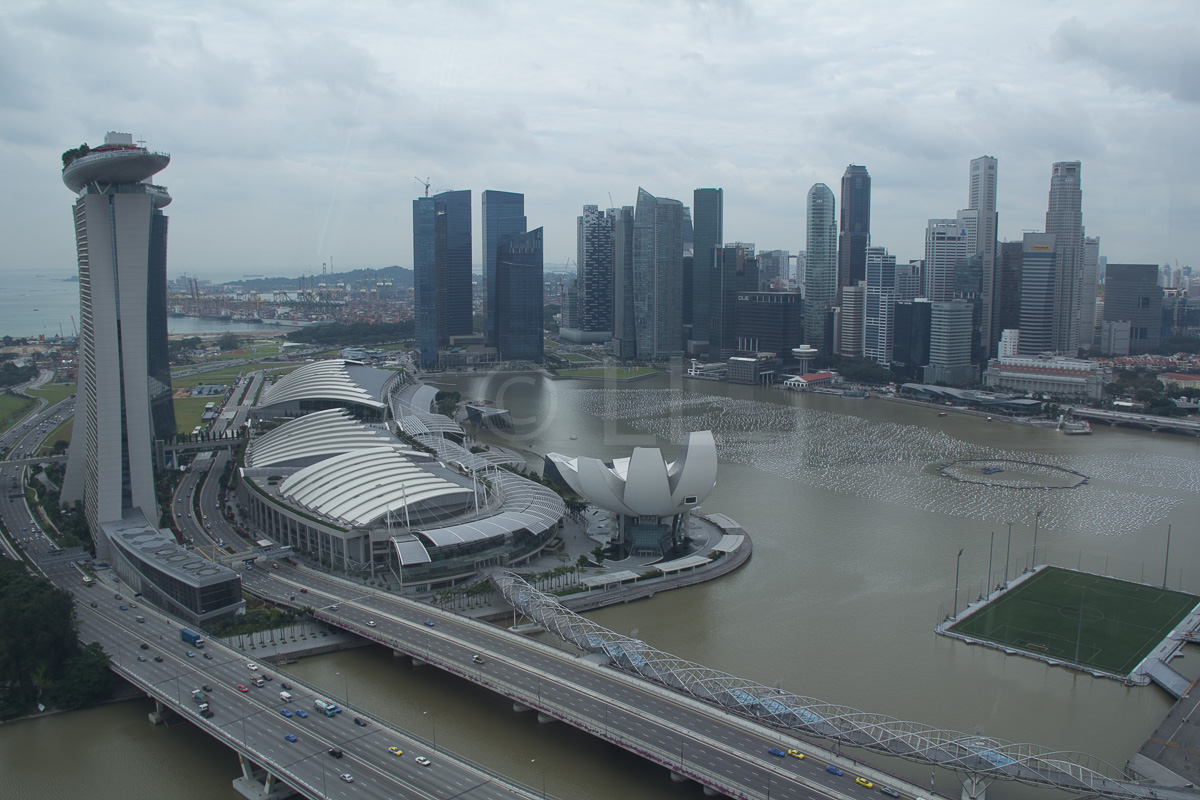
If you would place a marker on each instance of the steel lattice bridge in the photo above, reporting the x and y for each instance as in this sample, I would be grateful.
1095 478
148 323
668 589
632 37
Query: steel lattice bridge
981 758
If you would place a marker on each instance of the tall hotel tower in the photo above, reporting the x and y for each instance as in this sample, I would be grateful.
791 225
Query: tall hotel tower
981 197
441 271
124 374
855 235
124 395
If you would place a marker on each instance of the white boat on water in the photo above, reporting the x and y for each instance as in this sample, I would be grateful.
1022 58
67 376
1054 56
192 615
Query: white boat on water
1073 427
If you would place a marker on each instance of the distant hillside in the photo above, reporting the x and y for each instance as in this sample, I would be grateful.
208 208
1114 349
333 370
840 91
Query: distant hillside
401 278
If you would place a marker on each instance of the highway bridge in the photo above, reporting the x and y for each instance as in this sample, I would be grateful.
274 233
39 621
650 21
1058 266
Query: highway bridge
152 656
1148 422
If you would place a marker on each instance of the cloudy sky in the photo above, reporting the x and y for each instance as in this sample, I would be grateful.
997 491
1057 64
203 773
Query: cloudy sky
297 129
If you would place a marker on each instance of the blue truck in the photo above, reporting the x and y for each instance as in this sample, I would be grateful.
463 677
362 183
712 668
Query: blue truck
191 637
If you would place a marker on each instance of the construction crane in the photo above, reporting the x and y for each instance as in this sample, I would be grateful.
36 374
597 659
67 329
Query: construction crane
424 183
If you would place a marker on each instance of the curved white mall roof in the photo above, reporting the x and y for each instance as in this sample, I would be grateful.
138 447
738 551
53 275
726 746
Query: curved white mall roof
362 485
338 379
320 434
645 485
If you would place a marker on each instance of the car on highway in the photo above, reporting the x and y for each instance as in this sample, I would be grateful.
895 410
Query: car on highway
286 713
94 604
207 713
303 590
864 782
889 791
252 667
478 659
831 768
141 658
335 752
190 654
396 751
795 754
206 688
429 622
144 646
370 623
123 607
360 722
347 777
291 737
267 677
208 656
159 659
301 713
775 751
242 688
423 761
118 597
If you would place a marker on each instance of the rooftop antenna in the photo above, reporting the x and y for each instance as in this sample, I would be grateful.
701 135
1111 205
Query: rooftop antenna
424 183
610 201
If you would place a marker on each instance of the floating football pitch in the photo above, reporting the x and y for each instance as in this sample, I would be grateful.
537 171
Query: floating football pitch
1121 621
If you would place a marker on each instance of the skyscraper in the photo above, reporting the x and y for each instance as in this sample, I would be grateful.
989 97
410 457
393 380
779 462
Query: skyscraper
441 270
708 209
1064 219
519 303
1039 293
855 233
503 216
852 323
593 318
1132 296
658 276
735 271
950 344
820 265
1007 298
981 197
878 324
947 245
624 329
1087 302
124 374
125 381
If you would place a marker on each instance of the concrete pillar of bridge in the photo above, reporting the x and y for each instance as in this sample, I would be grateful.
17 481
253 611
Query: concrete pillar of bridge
974 787
545 718
710 792
257 783
677 778
520 707
161 713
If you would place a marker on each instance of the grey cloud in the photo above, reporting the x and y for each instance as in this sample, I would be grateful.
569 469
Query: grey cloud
1150 58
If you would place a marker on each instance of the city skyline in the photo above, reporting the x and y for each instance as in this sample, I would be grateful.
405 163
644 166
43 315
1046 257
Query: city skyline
325 137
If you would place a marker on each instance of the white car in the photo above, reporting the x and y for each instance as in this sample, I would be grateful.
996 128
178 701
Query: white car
370 623
423 761
347 777
252 667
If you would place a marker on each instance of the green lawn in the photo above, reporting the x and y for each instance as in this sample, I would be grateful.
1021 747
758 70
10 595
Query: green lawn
13 409
188 411
607 372
63 432
53 392
225 376
1121 621
577 358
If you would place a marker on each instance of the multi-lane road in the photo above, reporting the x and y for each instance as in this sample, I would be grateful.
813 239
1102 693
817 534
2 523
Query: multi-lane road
704 743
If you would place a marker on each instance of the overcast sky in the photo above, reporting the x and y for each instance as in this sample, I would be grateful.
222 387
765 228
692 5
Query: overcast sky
297 129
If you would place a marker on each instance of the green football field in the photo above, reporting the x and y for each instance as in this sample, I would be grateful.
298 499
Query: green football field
1121 621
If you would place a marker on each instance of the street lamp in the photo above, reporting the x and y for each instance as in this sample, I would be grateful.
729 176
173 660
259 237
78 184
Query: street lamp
1036 516
345 686
433 725
1007 555
957 564
534 761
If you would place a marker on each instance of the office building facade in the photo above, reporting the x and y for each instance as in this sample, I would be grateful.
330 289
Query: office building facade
981 198
950 344
503 216
519 302
441 271
708 218
854 233
658 276
1039 293
594 285
1132 295
878 325
735 271
820 266
769 322
624 342
1064 219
